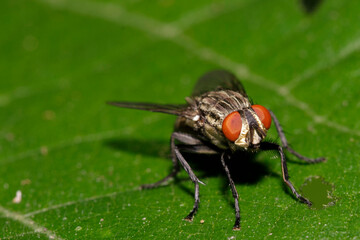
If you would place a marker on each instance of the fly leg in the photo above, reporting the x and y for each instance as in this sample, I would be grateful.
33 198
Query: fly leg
285 173
182 138
284 143
234 192
185 138
196 182
172 174
177 156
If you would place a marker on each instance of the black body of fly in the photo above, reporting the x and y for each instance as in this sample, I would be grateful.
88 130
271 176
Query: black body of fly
219 119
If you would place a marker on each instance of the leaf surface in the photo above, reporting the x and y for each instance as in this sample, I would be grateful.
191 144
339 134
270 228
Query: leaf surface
78 162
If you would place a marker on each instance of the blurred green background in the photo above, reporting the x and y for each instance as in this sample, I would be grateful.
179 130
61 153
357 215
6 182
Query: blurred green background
78 162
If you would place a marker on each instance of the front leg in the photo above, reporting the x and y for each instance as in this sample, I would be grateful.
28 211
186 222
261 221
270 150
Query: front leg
284 143
234 192
284 170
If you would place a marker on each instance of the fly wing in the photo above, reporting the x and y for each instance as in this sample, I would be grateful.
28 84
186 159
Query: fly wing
163 108
218 80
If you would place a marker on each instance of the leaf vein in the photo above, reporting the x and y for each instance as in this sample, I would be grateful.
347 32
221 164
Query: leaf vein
119 15
28 223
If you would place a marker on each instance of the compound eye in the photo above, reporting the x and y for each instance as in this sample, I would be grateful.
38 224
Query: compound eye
231 126
263 114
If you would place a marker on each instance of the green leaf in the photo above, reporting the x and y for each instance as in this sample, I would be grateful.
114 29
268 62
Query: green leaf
78 163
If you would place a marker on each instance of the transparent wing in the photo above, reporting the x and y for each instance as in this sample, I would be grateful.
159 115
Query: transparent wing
163 108
218 80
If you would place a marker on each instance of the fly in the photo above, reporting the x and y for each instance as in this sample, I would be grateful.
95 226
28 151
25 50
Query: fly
219 118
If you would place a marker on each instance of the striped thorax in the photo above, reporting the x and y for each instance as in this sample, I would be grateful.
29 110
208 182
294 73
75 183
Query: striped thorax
213 108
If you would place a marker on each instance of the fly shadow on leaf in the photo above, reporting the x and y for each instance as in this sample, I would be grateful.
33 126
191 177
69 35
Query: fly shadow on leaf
243 166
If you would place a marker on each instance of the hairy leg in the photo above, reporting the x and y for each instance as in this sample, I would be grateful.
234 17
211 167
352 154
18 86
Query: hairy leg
234 192
284 143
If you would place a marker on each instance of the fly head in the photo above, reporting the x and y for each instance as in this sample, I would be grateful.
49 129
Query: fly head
247 127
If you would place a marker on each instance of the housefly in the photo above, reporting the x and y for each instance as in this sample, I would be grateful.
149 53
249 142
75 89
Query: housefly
219 118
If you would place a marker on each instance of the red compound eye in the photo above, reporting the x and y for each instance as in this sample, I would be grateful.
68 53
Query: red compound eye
263 114
231 126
